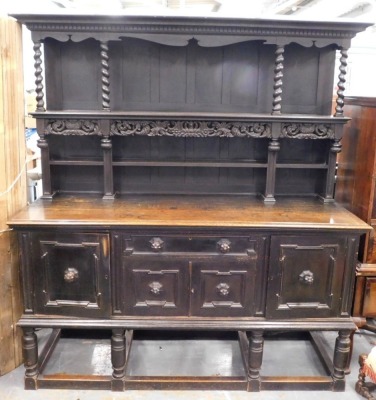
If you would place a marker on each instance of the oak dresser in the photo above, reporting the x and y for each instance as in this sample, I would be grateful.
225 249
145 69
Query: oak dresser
188 185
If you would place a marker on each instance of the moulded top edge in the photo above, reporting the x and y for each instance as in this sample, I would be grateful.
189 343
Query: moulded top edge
280 22
146 115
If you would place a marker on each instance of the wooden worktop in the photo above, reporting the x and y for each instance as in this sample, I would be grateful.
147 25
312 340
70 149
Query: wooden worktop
193 211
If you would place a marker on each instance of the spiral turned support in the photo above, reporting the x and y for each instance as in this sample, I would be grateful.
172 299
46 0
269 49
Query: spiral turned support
278 80
105 71
38 76
341 84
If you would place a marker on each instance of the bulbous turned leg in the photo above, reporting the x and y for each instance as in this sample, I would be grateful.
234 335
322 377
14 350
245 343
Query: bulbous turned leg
256 349
340 359
30 354
118 359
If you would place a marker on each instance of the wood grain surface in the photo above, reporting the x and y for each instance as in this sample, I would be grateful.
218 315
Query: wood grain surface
12 158
205 211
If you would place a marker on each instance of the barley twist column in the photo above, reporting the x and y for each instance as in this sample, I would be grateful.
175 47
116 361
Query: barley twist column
38 76
341 84
278 80
105 71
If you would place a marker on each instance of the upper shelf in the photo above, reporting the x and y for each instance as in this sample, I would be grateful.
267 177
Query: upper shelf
188 65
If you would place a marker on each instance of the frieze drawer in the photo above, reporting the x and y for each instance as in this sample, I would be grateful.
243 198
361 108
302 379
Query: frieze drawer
159 243
69 272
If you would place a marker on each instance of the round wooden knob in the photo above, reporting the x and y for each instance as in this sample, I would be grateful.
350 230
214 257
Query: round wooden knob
156 288
306 277
224 245
71 275
156 244
223 289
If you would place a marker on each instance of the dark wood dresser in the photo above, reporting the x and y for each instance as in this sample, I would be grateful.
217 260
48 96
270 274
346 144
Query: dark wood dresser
188 179
356 191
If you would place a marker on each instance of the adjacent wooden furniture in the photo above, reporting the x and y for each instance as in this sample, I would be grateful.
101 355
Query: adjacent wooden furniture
362 387
12 190
356 190
178 196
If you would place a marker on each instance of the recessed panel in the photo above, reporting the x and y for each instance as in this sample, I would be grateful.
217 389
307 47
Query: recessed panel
154 285
306 276
74 274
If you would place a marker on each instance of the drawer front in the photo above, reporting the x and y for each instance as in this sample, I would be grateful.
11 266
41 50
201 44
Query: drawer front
190 275
307 276
178 244
223 286
71 274
154 286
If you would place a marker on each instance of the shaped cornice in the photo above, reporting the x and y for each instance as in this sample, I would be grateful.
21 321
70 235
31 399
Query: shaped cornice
178 30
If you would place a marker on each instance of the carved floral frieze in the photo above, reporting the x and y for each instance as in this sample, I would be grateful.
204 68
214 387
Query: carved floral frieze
307 131
175 128
77 127
191 128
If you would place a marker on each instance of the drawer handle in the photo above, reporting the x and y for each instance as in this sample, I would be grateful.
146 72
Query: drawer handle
70 275
156 244
223 289
306 277
224 245
156 288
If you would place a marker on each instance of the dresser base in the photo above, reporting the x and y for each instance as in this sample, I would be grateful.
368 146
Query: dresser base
251 351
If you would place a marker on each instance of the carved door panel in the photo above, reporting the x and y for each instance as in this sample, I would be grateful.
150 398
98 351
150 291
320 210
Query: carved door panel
72 274
223 286
307 276
155 285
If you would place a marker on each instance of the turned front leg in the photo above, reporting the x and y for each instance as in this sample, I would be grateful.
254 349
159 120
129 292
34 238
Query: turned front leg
341 359
118 358
256 348
30 355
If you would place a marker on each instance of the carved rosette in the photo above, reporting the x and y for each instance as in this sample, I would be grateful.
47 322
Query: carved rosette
307 131
191 129
72 127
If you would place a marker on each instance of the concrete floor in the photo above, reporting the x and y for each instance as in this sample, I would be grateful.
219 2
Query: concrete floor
97 353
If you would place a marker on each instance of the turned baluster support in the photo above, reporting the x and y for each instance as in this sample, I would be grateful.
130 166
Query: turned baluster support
42 143
278 80
118 359
341 83
256 349
335 148
30 354
340 360
106 145
273 148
